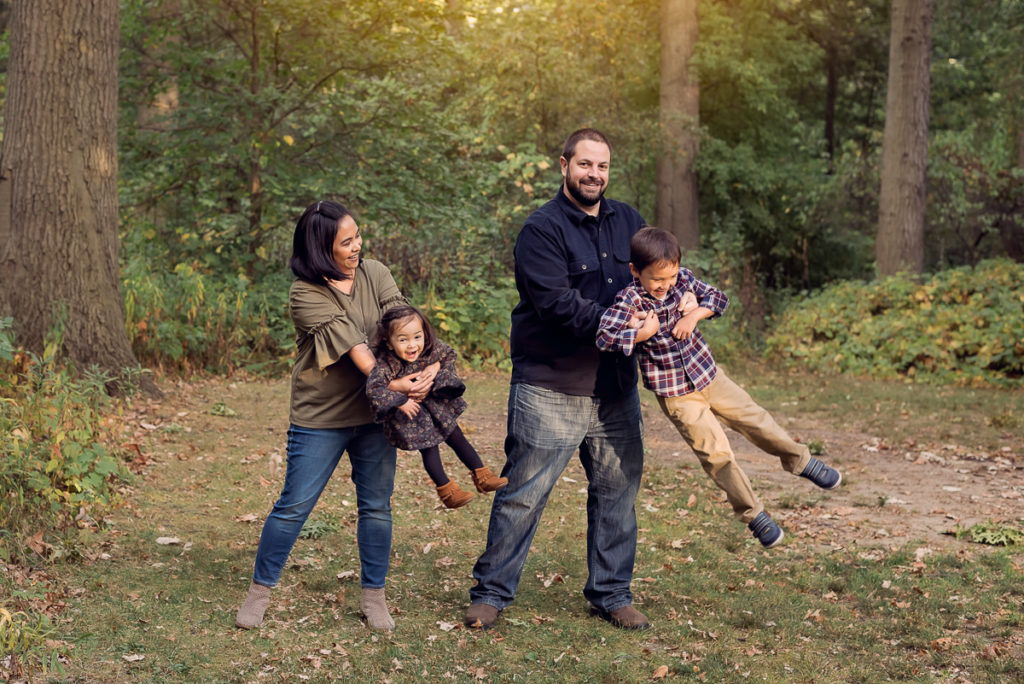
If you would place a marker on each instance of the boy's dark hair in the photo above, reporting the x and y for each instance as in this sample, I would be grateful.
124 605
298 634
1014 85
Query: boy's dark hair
313 244
651 245
592 134
393 317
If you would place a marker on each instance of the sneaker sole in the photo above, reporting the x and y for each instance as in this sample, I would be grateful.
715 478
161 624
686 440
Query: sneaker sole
775 543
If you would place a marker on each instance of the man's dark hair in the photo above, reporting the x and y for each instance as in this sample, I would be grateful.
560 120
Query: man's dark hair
393 317
313 245
592 134
652 245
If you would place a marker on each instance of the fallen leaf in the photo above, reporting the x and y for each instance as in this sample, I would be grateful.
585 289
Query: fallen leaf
246 518
133 658
447 626
660 673
167 541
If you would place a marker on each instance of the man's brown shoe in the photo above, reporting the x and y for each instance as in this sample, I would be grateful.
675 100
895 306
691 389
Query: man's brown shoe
626 617
481 616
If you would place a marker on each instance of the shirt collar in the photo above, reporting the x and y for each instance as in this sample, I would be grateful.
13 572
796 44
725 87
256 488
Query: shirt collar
577 215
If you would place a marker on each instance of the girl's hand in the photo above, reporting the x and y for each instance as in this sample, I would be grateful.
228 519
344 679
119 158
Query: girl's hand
423 382
410 408
688 303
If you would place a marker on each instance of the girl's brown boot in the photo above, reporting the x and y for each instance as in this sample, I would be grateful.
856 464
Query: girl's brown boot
452 496
486 481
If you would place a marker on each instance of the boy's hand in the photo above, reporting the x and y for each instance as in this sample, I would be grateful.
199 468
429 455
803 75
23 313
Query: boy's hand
685 327
649 328
688 303
410 408
636 320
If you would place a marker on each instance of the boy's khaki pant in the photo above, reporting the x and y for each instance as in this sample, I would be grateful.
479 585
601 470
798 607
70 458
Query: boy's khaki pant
694 416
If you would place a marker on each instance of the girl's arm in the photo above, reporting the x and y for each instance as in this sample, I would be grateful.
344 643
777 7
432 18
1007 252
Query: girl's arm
447 383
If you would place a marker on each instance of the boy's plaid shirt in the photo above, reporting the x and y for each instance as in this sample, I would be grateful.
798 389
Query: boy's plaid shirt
670 367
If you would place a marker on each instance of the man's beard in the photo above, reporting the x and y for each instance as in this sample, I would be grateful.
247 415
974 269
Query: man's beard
576 192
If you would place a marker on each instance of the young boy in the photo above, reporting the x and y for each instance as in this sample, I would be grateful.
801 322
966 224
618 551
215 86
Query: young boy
677 366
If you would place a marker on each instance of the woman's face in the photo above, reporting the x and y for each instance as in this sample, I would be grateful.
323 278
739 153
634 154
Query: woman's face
347 244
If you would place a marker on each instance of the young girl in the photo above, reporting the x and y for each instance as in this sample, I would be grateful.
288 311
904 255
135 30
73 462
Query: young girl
406 344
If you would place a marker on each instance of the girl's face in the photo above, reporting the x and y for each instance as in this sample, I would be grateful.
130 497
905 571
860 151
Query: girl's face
406 338
347 244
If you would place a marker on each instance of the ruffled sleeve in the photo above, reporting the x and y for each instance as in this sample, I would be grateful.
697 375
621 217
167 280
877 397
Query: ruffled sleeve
331 329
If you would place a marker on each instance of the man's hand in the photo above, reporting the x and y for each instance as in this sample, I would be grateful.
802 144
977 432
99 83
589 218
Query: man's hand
688 303
410 408
649 328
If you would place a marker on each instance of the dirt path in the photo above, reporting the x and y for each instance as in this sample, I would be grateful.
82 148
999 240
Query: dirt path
891 494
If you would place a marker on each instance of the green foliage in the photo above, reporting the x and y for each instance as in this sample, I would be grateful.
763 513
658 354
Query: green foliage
321 526
24 639
961 326
992 533
57 467
187 320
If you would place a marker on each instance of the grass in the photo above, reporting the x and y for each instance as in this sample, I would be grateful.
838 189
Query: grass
723 609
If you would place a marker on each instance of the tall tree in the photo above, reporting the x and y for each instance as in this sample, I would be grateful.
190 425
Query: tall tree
679 106
901 214
58 182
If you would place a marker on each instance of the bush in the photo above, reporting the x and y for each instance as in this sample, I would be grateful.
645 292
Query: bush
961 326
57 473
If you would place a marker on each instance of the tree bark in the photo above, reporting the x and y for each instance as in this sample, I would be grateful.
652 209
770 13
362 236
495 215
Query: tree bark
679 104
58 183
900 242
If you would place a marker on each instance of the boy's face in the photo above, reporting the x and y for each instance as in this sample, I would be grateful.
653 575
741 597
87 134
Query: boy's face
657 278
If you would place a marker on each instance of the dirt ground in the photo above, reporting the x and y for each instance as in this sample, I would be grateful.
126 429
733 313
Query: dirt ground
891 495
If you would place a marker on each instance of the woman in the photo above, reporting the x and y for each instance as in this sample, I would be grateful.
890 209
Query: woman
335 303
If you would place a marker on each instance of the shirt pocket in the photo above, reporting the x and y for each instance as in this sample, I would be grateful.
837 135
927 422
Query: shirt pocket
583 264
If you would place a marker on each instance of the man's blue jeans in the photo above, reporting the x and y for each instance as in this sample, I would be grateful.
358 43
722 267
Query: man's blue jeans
312 456
544 430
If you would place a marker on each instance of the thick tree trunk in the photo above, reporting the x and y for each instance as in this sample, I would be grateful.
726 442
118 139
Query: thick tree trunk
58 182
680 119
900 243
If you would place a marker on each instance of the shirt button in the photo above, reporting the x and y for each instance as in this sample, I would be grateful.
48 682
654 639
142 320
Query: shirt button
604 255
583 267
609 280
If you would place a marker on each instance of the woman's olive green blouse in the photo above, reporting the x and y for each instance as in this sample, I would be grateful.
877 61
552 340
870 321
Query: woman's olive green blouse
328 390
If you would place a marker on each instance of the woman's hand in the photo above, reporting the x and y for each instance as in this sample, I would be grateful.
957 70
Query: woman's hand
410 408
416 386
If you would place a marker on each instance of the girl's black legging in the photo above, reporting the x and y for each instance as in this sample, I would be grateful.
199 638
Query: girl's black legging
462 448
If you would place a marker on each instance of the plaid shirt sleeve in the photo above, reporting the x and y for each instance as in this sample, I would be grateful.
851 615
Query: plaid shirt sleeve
707 296
613 332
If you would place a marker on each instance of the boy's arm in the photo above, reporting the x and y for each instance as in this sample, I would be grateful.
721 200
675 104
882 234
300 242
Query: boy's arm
615 332
711 303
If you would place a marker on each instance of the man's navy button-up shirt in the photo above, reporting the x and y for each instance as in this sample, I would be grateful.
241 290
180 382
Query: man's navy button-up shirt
568 268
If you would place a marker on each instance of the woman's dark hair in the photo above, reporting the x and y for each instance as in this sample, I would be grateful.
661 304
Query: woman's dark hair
313 245
651 245
591 134
393 317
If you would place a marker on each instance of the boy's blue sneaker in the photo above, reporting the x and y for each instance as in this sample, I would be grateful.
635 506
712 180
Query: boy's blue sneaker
766 531
821 475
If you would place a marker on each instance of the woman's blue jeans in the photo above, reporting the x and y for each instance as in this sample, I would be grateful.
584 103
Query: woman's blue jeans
313 455
544 430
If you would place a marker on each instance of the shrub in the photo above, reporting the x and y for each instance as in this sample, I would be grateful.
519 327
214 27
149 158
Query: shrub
57 471
961 326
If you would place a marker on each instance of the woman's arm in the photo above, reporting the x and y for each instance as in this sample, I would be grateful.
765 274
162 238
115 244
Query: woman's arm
362 357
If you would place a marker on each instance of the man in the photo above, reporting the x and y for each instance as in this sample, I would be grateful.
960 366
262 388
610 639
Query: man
571 258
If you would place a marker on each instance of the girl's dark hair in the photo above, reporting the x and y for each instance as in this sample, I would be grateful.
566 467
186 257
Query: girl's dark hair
313 245
651 245
396 315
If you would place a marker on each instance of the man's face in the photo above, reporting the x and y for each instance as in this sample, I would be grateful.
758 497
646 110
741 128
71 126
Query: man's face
586 174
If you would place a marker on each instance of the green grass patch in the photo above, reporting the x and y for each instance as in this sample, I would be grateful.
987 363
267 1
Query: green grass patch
722 608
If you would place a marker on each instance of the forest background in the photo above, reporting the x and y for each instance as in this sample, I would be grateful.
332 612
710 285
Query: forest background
440 123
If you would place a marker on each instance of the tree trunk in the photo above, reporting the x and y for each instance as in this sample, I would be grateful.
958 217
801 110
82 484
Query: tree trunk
900 243
680 119
58 183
